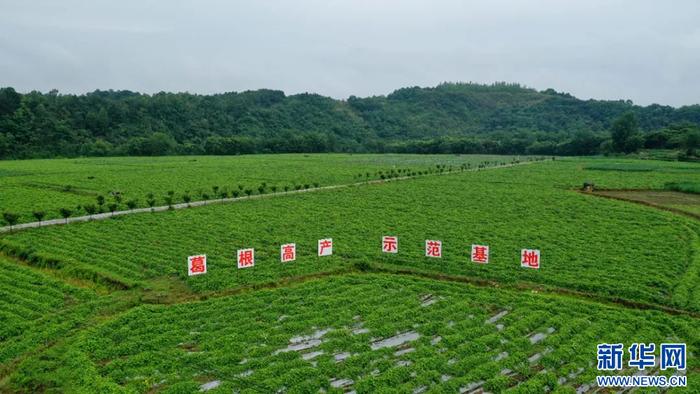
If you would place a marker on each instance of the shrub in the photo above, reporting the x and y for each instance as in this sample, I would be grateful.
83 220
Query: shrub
100 201
65 213
132 204
151 201
10 218
39 215
90 209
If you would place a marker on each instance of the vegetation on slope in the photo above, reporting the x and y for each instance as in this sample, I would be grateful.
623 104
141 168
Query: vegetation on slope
449 118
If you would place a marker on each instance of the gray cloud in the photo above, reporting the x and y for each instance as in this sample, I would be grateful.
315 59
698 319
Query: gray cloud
648 51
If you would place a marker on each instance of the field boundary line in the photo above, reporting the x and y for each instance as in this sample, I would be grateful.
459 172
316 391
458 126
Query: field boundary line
56 274
201 203
645 203
540 288
380 268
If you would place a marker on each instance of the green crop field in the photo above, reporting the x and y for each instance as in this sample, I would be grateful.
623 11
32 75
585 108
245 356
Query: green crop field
48 185
107 305
33 307
337 334
508 209
28 295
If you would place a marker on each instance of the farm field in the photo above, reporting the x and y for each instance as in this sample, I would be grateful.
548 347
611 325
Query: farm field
27 295
32 307
107 306
366 333
508 209
48 185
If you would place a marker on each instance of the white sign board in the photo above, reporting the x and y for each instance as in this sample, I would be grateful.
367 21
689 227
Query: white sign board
325 247
197 265
433 248
530 258
246 258
288 253
480 254
390 244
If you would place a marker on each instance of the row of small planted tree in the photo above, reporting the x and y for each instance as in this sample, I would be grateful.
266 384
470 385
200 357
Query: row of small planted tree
102 205
439 169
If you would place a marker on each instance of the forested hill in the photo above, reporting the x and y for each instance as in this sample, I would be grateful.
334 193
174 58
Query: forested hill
460 118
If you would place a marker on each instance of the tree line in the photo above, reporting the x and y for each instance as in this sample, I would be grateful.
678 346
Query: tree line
449 118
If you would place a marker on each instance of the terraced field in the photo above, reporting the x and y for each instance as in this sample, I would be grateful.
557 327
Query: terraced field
107 306
48 185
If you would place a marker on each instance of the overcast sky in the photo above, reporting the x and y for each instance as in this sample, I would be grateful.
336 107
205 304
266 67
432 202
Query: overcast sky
647 51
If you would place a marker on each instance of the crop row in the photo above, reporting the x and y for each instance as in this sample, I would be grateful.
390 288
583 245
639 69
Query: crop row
366 333
591 244
26 298
26 295
45 189
40 189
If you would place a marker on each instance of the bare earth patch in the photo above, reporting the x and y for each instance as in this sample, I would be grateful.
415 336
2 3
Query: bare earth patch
683 203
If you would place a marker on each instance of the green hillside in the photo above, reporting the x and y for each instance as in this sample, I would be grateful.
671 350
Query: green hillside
449 118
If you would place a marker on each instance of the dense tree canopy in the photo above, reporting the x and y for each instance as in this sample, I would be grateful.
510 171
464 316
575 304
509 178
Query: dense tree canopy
449 118
625 134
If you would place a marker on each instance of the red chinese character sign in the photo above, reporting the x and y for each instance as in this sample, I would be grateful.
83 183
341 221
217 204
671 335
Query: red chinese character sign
288 253
325 247
480 254
530 258
246 258
390 244
433 248
197 265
